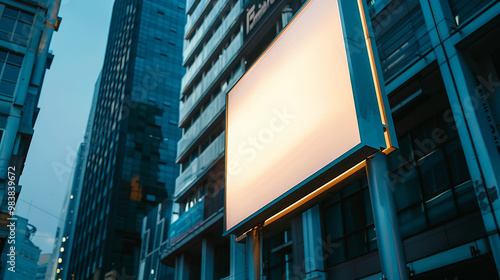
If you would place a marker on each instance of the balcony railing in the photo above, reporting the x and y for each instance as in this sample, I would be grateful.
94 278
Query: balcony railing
214 202
401 40
189 5
193 18
207 82
206 118
187 222
233 277
201 164
463 10
211 45
207 23
199 212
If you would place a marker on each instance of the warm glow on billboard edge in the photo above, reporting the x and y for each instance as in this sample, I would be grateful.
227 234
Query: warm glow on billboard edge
317 192
387 134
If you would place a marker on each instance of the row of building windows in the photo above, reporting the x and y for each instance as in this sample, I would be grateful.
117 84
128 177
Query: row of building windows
206 101
194 197
207 63
93 226
434 189
199 149
400 33
277 256
431 185
217 20
10 67
15 26
349 223
197 114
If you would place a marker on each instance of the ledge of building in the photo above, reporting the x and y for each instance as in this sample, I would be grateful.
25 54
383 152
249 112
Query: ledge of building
211 226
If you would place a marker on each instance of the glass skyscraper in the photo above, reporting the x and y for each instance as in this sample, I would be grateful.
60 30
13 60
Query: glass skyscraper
130 164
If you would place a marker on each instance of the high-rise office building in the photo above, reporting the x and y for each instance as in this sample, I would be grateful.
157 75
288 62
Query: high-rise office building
26 29
61 252
221 41
64 239
439 66
130 166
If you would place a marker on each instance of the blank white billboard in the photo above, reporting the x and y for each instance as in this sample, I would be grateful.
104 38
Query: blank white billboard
296 114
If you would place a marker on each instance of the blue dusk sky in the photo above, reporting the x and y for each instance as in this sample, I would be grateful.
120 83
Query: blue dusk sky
78 47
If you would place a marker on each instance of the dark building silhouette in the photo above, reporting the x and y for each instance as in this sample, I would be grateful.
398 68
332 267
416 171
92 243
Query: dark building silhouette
130 164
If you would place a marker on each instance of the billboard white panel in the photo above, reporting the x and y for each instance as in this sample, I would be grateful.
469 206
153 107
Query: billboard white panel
297 114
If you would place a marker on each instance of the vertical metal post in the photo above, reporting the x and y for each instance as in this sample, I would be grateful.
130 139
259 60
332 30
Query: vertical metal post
181 267
207 259
313 244
237 262
253 254
390 246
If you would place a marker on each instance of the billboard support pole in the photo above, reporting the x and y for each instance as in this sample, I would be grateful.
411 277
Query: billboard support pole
253 253
390 246
237 262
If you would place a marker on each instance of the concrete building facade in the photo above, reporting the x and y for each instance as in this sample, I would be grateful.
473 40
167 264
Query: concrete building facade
439 66
26 29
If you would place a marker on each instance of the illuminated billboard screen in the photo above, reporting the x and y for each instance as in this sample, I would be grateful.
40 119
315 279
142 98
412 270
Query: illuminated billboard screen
304 112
